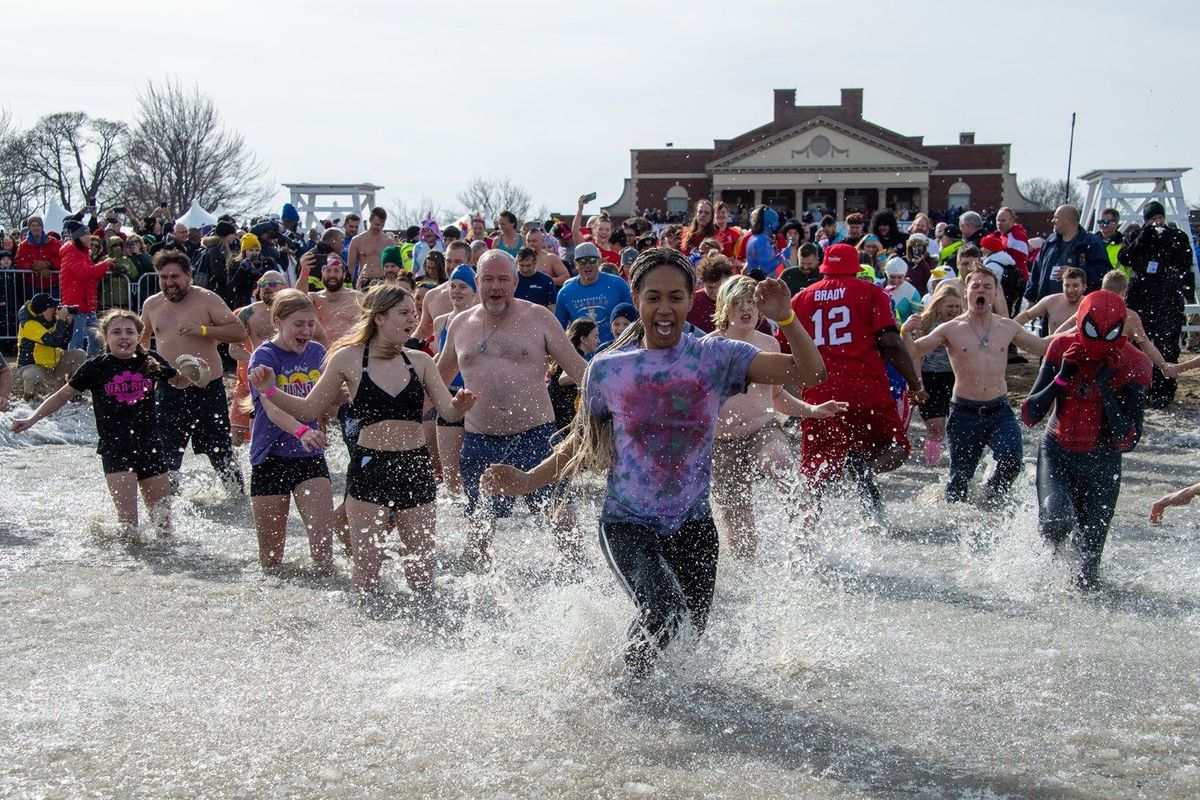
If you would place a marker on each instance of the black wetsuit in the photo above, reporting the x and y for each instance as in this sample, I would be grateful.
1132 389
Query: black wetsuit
1097 415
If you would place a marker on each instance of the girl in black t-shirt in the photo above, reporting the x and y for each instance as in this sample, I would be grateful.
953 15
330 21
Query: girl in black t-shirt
122 381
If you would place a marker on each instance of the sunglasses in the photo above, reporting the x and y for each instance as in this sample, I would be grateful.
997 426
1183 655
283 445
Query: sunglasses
271 284
587 260
1106 222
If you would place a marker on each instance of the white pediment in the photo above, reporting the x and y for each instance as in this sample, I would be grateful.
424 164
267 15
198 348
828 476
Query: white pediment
821 144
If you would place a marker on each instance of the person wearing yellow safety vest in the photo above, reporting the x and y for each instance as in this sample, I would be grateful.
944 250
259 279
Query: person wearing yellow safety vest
951 240
1108 228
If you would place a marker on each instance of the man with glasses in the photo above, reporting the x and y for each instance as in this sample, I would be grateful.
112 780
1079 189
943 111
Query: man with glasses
1108 227
591 294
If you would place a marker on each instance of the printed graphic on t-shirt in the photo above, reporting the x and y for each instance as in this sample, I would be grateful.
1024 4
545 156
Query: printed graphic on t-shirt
129 387
298 383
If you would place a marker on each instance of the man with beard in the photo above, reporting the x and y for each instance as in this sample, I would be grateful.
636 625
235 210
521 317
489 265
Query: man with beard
500 347
1058 307
187 320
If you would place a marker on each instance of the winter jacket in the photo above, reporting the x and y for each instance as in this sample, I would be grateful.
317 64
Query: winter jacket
1085 251
81 278
114 290
210 268
1016 244
30 251
40 342
243 276
1161 261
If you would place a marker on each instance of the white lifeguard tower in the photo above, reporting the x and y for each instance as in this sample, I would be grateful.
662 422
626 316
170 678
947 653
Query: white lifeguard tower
311 199
1128 191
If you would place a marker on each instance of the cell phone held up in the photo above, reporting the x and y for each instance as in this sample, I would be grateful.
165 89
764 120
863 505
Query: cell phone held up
587 198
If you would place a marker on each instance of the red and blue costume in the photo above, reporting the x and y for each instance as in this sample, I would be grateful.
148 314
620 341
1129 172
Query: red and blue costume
763 258
1095 384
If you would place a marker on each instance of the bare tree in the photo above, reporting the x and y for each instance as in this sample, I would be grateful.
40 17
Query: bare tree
180 151
493 195
19 195
1048 194
74 156
402 215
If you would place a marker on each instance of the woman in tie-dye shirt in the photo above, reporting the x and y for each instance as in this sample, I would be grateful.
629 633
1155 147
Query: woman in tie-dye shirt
648 415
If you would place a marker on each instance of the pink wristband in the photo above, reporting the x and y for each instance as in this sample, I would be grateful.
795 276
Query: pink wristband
270 392
1060 381
303 429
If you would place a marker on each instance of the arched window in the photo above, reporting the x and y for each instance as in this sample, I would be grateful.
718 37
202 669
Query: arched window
960 195
677 200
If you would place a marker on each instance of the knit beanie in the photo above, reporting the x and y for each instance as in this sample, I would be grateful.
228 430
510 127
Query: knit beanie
250 242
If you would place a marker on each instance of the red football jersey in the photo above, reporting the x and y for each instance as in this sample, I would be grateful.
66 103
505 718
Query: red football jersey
844 315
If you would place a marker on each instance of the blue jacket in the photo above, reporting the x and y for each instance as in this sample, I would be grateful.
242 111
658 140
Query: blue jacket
1086 251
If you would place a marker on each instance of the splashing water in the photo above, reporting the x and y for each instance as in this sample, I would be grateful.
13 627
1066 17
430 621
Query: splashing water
939 654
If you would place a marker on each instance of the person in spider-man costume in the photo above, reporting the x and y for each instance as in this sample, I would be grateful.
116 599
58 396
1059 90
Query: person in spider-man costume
1095 382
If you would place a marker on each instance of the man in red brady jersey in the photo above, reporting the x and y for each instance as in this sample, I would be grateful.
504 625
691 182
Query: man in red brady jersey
852 324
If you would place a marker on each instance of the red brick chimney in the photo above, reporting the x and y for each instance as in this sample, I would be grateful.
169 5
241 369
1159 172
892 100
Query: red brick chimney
852 102
967 137
785 102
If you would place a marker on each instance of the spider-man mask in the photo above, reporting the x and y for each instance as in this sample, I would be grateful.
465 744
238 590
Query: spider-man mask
1100 323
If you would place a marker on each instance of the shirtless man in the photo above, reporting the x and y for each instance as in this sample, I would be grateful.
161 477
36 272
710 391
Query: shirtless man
187 319
437 302
1059 306
977 343
547 262
256 317
500 347
1116 282
366 247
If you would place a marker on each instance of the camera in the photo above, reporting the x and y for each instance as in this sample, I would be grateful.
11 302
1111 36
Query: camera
71 309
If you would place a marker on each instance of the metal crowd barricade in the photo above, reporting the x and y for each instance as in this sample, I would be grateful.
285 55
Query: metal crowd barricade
18 286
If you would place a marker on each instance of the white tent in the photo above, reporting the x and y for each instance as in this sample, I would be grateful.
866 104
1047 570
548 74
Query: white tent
197 217
54 216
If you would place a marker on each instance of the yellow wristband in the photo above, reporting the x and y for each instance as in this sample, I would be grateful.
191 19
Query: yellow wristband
785 322
204 331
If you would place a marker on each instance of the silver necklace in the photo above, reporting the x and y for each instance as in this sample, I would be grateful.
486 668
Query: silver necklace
984 340
483 345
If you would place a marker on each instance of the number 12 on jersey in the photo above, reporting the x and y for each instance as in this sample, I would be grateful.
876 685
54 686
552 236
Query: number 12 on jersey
837 319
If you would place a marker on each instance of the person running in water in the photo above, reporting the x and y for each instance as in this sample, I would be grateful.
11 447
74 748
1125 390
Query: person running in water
977 343
256 317
287 456
749 438
647 417
122 381
186 319
450 435
852 324
937 376
1095 383
500 346
391 473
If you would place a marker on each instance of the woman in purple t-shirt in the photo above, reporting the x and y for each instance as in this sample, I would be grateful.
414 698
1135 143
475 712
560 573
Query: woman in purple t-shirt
648 415
287 456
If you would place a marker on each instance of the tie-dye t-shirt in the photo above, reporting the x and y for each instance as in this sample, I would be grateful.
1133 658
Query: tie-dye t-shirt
296 374
663 405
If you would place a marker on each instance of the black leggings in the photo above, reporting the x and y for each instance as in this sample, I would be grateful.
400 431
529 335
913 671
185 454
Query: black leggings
669 578
1078 491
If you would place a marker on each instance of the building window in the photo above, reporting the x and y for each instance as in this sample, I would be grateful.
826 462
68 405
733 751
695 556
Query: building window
960 195
677 200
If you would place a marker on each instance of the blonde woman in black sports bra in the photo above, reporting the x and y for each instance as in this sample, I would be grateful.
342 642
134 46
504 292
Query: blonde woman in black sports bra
391 472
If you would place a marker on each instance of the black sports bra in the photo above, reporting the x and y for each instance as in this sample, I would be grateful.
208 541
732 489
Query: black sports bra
372 404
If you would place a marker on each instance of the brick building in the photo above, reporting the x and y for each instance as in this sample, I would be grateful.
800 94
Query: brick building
823 157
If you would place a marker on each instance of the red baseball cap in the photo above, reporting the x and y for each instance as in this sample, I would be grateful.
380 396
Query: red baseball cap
840 259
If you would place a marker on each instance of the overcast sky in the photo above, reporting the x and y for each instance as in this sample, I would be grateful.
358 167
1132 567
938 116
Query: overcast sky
419 97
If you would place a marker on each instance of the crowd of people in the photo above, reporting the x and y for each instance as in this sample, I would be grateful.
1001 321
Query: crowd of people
502 358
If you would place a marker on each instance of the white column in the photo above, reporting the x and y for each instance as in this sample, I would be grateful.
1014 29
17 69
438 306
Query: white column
841 204
882 204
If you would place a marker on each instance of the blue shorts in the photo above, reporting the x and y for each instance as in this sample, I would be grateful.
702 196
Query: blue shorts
523 450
